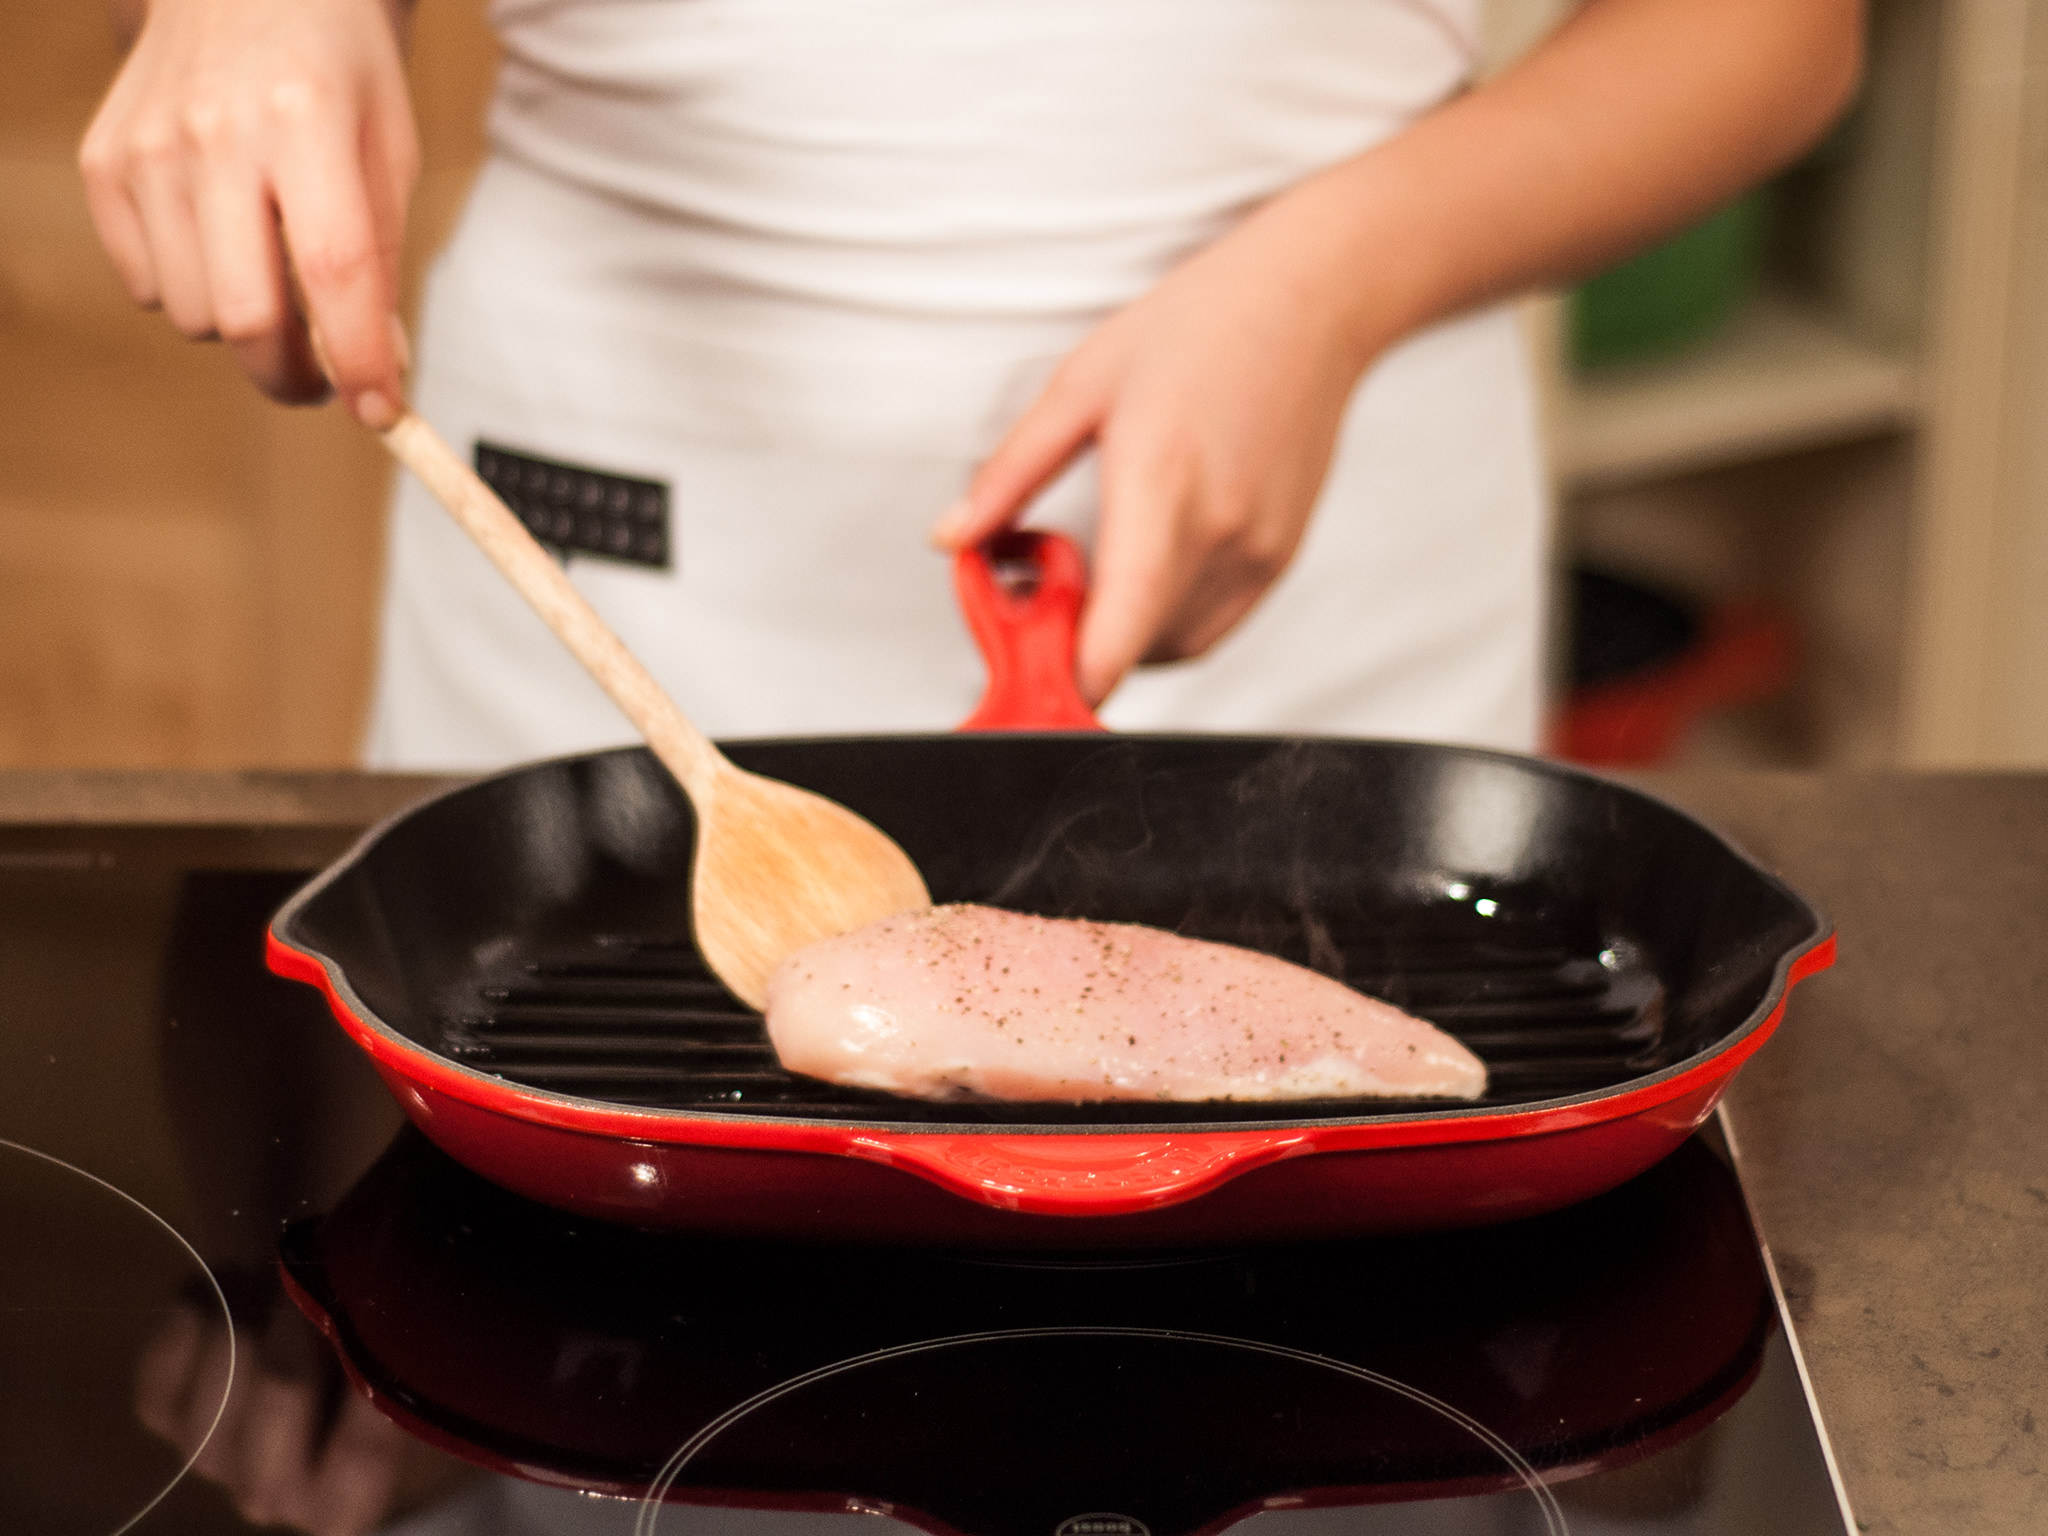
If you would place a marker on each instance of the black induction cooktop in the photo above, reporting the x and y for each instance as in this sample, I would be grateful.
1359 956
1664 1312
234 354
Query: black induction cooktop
236 1293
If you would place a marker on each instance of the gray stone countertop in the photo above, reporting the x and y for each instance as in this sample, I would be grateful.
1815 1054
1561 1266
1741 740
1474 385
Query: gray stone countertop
1894 1135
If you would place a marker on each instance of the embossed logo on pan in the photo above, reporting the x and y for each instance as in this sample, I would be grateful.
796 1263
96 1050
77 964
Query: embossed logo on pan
1102 1523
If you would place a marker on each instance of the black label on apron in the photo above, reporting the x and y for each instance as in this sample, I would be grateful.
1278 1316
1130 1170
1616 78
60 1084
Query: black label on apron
581 511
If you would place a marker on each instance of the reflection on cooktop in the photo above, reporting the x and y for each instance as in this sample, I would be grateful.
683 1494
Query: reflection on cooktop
1129 1418
90 1285
1475 1381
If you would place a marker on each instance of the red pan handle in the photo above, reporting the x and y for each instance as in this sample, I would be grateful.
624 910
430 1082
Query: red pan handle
1021 592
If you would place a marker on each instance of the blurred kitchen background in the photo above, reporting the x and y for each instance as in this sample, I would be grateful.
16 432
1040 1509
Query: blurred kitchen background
1802 486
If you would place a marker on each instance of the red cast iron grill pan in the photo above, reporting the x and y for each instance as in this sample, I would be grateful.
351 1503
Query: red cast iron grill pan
514 956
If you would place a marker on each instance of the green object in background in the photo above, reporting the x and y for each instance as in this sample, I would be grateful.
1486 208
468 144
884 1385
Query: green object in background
1672 296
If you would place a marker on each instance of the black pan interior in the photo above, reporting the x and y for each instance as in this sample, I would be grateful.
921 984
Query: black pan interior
1575 933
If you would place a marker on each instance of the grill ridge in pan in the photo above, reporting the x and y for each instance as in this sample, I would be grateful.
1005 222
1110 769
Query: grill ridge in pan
513 956
642 1022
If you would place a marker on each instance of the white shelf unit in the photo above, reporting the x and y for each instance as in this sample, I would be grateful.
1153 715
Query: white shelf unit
1781 378
1863 443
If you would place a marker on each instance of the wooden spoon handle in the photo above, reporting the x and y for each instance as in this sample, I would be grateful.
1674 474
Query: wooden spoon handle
689 754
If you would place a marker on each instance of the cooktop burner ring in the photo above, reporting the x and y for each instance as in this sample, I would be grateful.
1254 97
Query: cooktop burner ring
212 1289
1111 1262
647 1520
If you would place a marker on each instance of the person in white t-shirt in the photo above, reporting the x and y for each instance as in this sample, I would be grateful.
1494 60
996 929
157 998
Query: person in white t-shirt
1215 284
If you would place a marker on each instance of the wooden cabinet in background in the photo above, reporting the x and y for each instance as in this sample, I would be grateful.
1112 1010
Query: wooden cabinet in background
187 572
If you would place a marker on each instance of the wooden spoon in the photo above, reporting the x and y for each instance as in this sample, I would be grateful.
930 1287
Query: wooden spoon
777 867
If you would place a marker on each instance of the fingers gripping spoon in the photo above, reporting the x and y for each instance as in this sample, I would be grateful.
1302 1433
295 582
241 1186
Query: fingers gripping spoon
776 867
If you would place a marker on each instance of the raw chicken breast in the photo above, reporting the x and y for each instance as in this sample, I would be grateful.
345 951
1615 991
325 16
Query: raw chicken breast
957 1000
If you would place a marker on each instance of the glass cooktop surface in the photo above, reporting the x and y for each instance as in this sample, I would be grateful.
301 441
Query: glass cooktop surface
237 1294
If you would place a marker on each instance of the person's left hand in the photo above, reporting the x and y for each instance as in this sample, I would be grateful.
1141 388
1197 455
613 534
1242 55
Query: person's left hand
1213 403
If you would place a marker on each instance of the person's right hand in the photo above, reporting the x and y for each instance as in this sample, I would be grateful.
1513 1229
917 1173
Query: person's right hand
244 134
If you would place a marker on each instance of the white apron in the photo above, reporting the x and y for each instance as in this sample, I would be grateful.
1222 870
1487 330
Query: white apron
802 261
